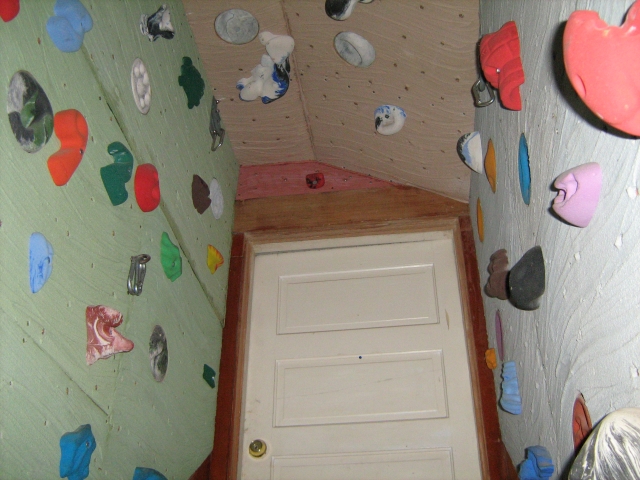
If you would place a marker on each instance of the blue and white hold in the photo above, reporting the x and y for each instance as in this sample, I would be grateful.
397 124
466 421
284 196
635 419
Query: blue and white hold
469 149
389 119
510 400
269 79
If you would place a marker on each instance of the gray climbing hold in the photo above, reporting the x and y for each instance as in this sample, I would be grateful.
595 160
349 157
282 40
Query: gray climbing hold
236 26
354 49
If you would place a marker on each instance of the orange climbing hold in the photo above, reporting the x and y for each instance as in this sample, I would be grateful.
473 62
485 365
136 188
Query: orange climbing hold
480 221
71 129
490 166
490 358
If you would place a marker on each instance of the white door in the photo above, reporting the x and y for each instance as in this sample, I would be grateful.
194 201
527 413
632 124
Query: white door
357 363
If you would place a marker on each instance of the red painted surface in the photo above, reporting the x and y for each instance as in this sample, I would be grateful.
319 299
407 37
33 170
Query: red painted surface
278 179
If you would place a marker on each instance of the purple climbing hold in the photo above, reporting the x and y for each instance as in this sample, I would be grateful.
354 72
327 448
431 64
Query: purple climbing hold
578 193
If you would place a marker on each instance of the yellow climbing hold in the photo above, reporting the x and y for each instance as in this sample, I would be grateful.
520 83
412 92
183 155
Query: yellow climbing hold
214 258
480 221
490 358
490 165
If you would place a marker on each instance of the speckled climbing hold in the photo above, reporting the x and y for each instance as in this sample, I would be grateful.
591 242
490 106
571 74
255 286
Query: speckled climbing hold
72 131
510 400
581 422
40 261
141 473
170 258
499 339
76 449
115 176
214 258
209 375
236 26
498 272
103 340
354 49
141 86
490 167
315 180
490 358
578 194
389 119
9 9
146 185
480 220
527 280
501 64
469 150
157 25
217 200
191 82
200 194
30 113
158 353
538 464
69 24
341 9
524 171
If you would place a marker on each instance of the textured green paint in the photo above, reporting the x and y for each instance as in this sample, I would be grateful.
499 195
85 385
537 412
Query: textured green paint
46 388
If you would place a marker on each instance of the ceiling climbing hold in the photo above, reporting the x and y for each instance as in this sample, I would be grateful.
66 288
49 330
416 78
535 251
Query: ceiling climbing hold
389 119
354 49
236 26
341 9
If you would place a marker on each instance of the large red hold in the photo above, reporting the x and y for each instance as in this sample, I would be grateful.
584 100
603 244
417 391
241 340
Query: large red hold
103 340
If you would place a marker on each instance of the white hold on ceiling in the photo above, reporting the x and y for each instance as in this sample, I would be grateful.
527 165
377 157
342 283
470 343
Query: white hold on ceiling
425 63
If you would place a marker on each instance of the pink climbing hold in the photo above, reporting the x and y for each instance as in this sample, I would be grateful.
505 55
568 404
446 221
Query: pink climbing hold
103 340
578 194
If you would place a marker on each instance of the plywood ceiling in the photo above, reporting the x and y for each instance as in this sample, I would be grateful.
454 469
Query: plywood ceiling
425 63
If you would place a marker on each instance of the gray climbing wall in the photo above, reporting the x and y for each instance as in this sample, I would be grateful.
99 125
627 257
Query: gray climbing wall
46 388
585 337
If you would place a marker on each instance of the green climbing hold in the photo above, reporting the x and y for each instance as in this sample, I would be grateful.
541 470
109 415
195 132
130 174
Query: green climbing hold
191 81
114 176
209 375
170 258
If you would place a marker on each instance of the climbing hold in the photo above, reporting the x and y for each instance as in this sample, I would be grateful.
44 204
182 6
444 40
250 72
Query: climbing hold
490 167
217 200
480 219
538 464
469 149
214 258
76 449
200 194
72 131
9 9
341 9
490 358
141 473
498 271
236 26
578 194
103 340
315 180
141 86
499 339
354 49
581 422
510 400
270 79
611 451
191 82
69 24
114 176
158 353
157 25
527 280
170 258
524 171
599 60
40 261
30 113
501 64
146 185
215 125
209 375
389 119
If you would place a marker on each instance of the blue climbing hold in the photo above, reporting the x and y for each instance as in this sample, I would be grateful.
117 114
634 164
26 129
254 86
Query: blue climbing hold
76 448
510 400
537 466
40 261
68 26
142 473
523 169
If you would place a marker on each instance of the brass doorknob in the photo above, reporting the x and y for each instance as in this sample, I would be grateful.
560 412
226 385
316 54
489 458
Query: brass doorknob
257 448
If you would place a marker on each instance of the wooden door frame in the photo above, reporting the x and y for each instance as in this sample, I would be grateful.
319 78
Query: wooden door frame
254 231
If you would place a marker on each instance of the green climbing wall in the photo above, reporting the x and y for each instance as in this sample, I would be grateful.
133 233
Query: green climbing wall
46 388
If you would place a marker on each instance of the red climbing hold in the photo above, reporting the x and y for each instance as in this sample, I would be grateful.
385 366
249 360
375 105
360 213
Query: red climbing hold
315 180
9 9
147 187
71 129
